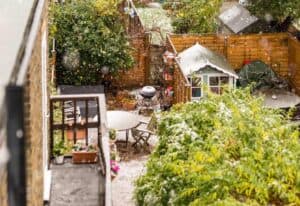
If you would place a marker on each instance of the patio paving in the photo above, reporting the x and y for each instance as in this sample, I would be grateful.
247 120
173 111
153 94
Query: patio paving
132 165
123 184
76 185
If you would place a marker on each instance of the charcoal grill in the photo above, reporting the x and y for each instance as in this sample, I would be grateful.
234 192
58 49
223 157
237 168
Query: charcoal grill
147 93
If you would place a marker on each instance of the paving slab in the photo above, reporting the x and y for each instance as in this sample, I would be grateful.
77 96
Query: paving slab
76 185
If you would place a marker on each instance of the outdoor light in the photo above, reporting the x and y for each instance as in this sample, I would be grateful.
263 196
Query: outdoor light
71 59
104 70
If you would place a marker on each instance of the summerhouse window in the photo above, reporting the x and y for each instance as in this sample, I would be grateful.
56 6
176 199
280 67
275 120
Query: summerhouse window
216 83
196 87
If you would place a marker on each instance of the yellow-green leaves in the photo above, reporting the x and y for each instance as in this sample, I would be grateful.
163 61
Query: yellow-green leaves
223 150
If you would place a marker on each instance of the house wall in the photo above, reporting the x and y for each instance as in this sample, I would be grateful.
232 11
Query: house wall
33 125
278 50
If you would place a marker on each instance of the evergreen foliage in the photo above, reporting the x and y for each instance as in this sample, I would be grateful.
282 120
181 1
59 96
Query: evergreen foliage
89 35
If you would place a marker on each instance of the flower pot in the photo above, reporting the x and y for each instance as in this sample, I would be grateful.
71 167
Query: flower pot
59 160
129 105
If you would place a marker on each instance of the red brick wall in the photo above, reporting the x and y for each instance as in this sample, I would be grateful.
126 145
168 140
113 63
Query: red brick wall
139 74
140 43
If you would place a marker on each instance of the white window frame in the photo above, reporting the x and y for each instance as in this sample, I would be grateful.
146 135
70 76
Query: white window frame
230 82
190 77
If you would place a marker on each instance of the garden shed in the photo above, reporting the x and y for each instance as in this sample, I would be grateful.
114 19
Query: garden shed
203 67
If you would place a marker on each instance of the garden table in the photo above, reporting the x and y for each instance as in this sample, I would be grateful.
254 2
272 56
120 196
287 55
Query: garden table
122 121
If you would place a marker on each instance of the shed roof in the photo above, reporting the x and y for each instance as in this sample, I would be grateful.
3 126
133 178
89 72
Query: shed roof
237 18
198 57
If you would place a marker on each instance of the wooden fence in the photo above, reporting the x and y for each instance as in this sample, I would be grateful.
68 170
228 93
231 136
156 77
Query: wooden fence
280 51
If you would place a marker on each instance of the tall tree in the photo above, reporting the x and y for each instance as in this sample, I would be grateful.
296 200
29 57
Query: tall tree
89 35
280 12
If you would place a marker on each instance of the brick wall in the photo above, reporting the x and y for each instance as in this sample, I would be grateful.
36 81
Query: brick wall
33 126
140 43
138 75
3 189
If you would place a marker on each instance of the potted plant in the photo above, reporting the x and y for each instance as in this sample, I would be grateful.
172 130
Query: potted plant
84 154
129 104
114 167
59 151
112 136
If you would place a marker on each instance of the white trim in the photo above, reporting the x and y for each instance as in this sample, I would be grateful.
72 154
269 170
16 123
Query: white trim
218 86
220 69
47 185
201 87
231 82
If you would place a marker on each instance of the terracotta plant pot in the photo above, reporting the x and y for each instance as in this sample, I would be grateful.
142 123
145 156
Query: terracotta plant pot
129 105
82 157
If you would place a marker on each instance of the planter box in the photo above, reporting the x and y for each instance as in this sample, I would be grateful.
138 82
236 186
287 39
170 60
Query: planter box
83 157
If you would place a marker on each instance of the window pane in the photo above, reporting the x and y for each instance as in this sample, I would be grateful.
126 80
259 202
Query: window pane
213 81
196 82
224 80
215 90
196 92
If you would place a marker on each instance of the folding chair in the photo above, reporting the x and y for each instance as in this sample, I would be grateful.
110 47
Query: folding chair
141 135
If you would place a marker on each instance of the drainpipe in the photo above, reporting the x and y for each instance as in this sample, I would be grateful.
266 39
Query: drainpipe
16 177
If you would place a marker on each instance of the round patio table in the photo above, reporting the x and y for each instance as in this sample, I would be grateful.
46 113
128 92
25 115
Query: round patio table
122 121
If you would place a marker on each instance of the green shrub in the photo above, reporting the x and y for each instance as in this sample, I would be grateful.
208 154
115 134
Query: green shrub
87 38
223 150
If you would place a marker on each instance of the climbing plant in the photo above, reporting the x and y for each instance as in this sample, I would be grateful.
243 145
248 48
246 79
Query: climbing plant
89 35
194 16
223 150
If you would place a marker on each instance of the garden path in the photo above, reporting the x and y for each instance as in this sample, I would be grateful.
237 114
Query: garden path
132 165
123 184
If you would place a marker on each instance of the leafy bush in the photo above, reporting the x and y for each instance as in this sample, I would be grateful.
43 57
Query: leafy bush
89 35
223 150
194 16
